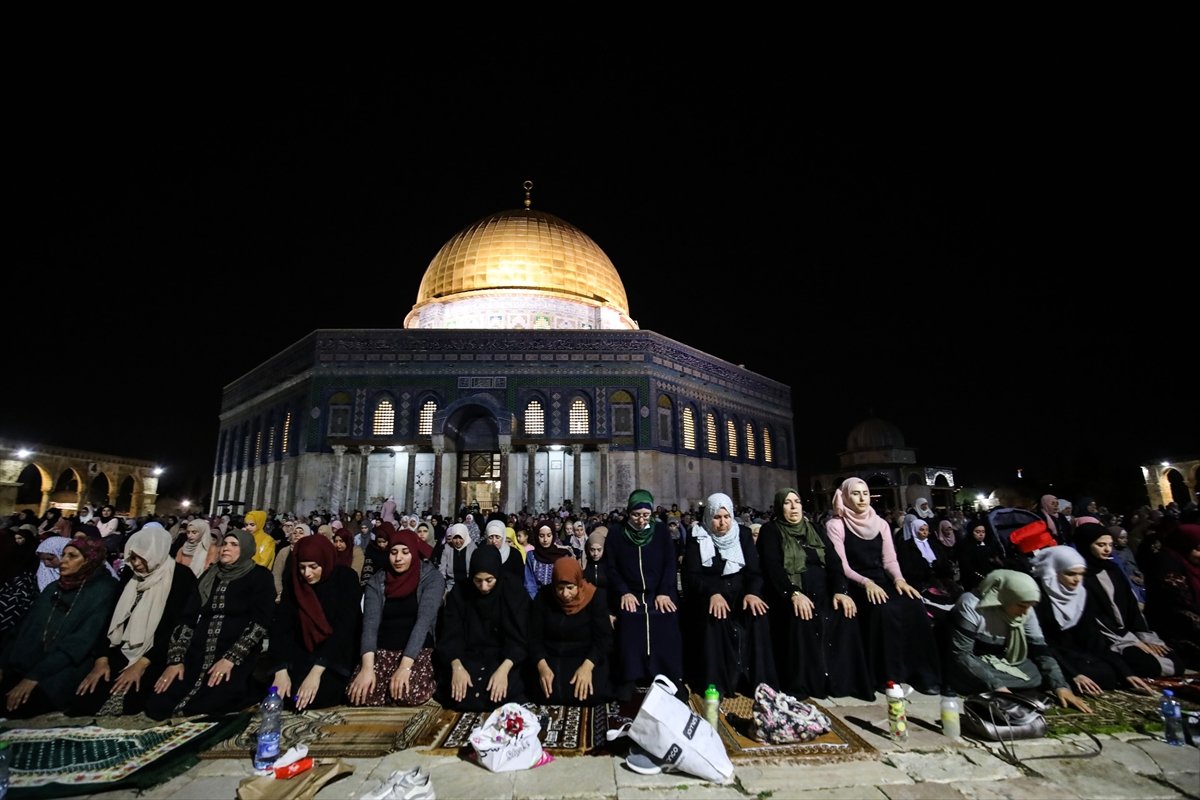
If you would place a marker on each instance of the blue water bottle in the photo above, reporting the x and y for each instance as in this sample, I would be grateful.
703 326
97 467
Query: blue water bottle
270 722
1172 717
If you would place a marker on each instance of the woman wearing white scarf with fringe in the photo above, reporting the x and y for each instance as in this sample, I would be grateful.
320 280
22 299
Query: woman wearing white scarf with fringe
155 590
726 617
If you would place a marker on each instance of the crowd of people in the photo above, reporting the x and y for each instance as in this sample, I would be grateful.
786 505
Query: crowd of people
176 616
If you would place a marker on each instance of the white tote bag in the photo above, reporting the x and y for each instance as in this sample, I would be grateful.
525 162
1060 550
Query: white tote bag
670 731
508 739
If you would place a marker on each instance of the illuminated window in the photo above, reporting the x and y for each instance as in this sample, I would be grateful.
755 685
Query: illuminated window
710 431
731 437
271 442
664 420
751 446
578 417
621 403
339 414
287 430
689 429
385 419
535 419
768 456
245 453
425 420
258 447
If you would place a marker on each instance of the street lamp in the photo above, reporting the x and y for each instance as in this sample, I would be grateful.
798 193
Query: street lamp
158 471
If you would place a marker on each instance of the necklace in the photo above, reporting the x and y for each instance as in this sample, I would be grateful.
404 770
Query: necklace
46 638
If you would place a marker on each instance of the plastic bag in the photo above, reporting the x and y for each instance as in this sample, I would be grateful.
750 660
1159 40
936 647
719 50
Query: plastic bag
508 739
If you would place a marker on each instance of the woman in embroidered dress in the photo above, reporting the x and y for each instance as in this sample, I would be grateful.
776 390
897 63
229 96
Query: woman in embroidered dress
897 634
315 633
400 610
723 581
539 565
50 653
997 644
570 639
818 650
484 637
18 576
213 650
155 590
642 570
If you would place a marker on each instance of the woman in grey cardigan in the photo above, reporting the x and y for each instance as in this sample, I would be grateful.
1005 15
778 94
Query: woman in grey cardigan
400 610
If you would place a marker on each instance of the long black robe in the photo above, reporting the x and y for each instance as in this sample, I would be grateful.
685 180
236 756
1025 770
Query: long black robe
821 657
648 641
565 640
734 653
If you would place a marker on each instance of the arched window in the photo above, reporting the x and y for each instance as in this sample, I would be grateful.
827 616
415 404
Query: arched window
245 459
768 456
689 428
731 437
621 403
425 418
535 419
258 446
271 442
710 433
578 417
751 446
664 420
287 431
385 419
339 414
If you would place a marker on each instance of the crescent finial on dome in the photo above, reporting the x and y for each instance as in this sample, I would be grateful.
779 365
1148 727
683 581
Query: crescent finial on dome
528 199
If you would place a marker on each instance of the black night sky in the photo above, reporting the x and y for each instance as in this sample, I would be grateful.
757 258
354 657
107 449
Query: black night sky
988 259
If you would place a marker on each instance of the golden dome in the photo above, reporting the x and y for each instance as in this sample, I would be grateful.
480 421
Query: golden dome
523 253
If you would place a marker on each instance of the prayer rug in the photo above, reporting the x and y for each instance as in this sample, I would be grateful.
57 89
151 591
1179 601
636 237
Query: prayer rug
566 730
57 762
840 744
1112 712
339 732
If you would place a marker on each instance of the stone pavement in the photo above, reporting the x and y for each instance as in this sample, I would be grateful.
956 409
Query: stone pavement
928 765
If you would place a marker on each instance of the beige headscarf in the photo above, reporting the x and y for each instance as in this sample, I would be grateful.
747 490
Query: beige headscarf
198 550
140 606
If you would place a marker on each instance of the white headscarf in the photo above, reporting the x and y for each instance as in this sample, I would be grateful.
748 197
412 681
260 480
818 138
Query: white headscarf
198 549
497 527
1068 604
927 512
910 532
52 545
141 604
730 544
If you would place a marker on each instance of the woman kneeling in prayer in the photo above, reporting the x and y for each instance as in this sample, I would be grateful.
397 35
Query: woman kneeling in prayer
570 637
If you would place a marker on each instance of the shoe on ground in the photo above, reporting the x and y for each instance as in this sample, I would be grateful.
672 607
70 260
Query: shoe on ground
642 762
404 785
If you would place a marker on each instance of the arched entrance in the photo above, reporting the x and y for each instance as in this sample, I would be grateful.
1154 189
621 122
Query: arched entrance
472 430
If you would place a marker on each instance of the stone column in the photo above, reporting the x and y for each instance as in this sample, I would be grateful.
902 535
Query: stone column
149 498
576 477
365 449
530 477
438 452
505 449
45 504
337 492
410 483
602 500
10 471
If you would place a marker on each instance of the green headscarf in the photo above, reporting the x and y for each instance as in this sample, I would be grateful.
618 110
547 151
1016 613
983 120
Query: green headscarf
1003 587
796 538
228 572
639 498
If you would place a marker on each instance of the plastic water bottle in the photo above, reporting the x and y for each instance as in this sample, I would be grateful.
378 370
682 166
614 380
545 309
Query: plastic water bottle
1172 717
270 721
951 711
712 704
4 752
897 716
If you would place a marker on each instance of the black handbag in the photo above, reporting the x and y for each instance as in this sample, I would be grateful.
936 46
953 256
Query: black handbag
1002 717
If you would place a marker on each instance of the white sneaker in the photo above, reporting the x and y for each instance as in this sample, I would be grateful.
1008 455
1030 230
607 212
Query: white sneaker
411 785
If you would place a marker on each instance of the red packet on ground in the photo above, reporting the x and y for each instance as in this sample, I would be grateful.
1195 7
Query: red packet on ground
293 769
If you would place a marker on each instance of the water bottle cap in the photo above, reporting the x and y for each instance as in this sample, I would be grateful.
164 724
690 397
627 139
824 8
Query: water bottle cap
274 690
1168 693
3 744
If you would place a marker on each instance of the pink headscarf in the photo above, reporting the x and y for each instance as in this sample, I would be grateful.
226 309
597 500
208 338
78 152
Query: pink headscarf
865 525
1047 500
945 533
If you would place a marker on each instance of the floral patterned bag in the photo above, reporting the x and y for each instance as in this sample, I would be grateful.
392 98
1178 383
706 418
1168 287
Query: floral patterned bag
779 718
508 740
